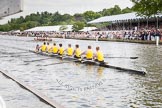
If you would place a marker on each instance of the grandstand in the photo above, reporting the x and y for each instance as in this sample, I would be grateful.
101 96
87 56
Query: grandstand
130 21
9 7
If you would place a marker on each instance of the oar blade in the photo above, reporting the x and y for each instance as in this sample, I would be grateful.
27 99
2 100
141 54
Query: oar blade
124 57
133 57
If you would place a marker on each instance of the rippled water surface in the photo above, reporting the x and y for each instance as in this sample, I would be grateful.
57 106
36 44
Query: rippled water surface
76 85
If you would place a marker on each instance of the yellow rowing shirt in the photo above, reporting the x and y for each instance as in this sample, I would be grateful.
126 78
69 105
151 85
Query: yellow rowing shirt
100 56
70 51
55 49
61 50
89 54
43 48
78 52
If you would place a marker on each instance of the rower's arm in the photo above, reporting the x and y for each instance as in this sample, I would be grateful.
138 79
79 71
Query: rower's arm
65 51
94 56
58 51
51 48
83 53
74 52
40 47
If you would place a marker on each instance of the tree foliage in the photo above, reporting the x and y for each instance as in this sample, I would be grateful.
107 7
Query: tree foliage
90 15
63 27
127 10
5 27
114 11
147 7
78 26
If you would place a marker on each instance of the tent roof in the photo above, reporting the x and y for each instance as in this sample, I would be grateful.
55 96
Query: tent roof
88 29
17 31
50 28
121 17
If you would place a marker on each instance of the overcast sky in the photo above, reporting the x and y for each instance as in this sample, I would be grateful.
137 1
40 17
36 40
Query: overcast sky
67 6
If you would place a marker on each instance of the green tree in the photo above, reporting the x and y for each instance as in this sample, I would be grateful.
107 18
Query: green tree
20 20
79 17
78 26
27 18
5 27
90 15
63 27
116 10
34 17
56 18
111 11
147 7
31 24
106 12
127 10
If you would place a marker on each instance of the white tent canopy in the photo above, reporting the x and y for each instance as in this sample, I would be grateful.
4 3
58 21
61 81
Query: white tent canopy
51 28
88 29
127 16
17 31
69 28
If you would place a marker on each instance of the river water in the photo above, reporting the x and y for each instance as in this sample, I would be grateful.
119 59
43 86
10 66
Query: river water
76 85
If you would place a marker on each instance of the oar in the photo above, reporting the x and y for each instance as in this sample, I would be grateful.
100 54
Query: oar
16 55
38 60
20 55
53 64
124 57
79 60
13 52
18 52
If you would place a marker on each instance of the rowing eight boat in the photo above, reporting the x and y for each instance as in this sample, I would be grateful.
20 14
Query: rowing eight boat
92 62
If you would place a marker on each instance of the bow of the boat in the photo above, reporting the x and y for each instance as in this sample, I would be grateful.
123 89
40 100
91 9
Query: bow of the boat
142 72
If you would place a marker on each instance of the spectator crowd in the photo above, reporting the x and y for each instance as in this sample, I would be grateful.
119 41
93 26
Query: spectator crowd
147 34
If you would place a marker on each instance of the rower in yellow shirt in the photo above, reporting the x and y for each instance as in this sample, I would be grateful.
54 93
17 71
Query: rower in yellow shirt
43 47
69 50
48 48
61 50
37 48
77 52
88 53
99 55
54 49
